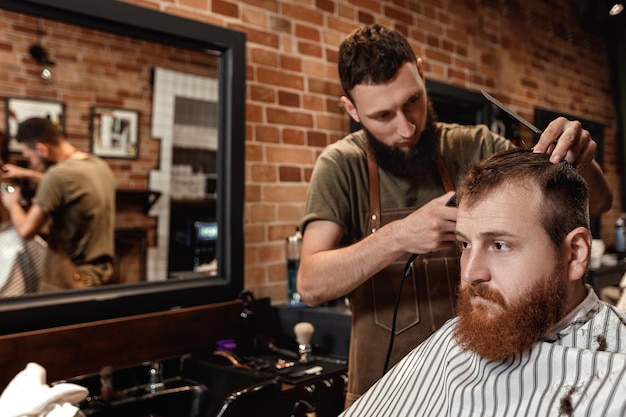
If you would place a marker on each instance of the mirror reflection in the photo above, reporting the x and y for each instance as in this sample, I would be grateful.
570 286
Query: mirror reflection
185 119
179 89
151 111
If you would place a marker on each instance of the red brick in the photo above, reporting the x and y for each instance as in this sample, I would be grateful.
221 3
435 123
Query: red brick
273 77
261 93
262 213
290 63
267 134
289 99
304 14
288 117
290 174
293 136
264 57
290 154
225 8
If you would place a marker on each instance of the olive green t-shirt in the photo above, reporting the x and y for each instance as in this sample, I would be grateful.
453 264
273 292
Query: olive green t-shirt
339 187
79 197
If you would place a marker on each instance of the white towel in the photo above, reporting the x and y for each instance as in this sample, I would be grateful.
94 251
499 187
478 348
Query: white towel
28 395
11 244
21 263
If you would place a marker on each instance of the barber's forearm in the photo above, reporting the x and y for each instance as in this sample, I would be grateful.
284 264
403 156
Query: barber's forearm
11 171
18 219
27 223
34 176
330 274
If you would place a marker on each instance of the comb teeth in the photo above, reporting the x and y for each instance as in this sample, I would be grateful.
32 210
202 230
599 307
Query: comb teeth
303 330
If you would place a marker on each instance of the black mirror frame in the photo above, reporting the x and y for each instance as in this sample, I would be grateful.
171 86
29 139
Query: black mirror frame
42 311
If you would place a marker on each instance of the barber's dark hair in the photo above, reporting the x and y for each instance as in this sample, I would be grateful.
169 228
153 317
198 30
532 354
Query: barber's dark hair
565 202
38 129
372 54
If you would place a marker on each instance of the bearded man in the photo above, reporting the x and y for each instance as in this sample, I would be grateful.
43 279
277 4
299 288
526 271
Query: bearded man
531 337
74 202
379 195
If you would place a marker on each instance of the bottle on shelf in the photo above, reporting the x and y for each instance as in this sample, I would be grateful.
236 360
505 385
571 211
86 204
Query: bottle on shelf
292 250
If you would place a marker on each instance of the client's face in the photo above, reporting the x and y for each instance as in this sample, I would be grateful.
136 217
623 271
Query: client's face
512 279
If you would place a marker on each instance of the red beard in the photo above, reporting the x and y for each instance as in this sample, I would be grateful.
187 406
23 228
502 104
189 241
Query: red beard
497 334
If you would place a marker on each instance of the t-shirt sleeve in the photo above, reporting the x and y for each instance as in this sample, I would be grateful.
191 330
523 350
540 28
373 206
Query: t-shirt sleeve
50 192
339 188
326 199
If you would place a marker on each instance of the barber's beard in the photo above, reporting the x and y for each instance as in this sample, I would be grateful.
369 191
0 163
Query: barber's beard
39 163
414 163
45 164
512 329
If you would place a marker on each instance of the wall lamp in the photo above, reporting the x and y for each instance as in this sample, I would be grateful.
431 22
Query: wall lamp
40 55
616 9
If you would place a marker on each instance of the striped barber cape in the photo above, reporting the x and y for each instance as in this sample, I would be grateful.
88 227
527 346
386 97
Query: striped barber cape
21 263
579 370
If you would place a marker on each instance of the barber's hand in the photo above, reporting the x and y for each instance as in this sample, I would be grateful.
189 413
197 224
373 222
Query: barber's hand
431 227
10 171
566 139
11 196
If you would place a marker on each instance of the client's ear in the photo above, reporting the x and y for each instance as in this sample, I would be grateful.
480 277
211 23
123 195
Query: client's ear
578 249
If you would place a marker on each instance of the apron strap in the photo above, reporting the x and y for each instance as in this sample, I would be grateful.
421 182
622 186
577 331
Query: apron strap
448 185
374 190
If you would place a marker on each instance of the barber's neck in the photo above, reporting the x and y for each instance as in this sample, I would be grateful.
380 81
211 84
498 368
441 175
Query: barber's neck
66 151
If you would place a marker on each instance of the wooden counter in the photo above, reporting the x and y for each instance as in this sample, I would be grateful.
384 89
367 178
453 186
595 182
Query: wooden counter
84 348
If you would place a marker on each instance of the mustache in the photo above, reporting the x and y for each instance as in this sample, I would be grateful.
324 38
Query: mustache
483 291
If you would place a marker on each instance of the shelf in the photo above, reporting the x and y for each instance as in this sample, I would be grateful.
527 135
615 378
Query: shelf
147 197
193 201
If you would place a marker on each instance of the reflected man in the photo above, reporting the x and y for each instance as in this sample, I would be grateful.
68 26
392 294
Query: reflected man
74 202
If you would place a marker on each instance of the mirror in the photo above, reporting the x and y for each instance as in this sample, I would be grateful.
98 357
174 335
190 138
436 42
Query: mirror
199 69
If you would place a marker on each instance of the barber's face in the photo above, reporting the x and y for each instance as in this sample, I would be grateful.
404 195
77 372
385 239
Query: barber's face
395 112
37 157
512 279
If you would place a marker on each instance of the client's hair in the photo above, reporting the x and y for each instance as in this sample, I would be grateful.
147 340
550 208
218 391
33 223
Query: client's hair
565 202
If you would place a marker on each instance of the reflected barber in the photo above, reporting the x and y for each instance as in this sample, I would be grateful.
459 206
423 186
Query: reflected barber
73 206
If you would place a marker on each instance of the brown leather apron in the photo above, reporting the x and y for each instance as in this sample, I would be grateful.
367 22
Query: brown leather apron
427 299
61 274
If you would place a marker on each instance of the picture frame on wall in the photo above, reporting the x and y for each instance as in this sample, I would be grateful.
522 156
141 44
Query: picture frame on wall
19 109
114 132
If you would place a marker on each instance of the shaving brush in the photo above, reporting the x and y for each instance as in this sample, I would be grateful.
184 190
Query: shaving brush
304 331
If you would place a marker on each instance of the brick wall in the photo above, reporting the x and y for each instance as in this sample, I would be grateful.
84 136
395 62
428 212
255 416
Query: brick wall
532 53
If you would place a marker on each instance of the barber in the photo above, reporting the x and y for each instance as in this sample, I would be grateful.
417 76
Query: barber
74 204
380 194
